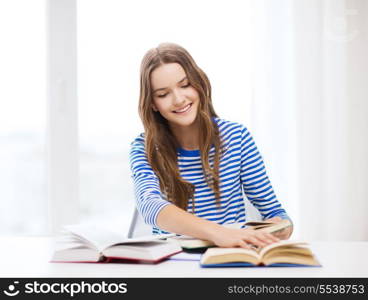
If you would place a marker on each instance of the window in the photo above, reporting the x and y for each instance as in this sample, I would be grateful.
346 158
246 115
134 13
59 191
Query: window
23 207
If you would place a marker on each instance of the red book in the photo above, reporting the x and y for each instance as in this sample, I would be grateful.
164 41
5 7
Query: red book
81 243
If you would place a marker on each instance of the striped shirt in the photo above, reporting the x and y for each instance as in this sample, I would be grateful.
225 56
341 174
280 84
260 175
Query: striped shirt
241 171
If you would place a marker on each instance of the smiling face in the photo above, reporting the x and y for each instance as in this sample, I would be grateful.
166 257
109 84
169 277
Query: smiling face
173 96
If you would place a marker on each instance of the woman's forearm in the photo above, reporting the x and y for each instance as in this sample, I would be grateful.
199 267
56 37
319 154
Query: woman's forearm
173 219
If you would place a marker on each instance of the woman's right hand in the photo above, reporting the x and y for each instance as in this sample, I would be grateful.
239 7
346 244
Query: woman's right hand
174 219
245 238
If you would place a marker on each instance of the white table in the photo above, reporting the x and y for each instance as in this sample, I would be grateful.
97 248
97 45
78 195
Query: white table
29 257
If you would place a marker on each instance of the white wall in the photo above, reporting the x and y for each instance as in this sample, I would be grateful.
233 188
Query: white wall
311 119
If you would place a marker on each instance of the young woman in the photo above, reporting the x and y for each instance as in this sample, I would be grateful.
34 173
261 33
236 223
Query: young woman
190 167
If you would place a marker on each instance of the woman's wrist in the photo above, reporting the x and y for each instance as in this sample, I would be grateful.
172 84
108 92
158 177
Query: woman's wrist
174 219
211 230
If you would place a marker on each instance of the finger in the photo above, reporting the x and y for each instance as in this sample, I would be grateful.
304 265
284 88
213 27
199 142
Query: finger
274 220
283 234
268 237
273 237
244 245
255 241
280 236
265 238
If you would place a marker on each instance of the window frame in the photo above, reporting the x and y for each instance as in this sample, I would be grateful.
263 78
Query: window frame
62 114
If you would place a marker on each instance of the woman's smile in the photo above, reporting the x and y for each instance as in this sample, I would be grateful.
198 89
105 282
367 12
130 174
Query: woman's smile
183 110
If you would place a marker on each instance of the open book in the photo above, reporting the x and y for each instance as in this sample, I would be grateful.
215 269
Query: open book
282 253
190 243
269 227
80 243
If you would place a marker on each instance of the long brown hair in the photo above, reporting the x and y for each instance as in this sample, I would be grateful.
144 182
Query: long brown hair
160 144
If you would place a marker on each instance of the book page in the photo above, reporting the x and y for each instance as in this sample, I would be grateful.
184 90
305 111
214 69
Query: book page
258 223
280 244
102 238
96 235
273 227
214 256
71 241
224 255
293 255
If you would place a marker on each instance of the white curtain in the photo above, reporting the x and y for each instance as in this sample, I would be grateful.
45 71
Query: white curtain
309 112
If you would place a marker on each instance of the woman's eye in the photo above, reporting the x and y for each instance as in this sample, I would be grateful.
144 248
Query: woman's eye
161 96
184 86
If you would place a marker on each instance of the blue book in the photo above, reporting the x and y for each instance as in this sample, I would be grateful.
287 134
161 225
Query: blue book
280 254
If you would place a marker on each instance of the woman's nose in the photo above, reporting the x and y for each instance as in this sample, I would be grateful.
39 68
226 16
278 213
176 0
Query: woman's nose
179 98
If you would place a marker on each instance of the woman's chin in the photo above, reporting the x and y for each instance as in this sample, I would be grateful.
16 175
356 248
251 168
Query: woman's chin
183 122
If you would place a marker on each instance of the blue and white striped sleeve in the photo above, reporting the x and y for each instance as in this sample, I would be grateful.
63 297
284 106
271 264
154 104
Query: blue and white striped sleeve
146 184
256 184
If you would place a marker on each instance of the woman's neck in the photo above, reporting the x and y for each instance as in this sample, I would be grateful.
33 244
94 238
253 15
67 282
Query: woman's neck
187 137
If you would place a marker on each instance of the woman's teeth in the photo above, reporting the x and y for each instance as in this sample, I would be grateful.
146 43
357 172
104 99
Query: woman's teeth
183 109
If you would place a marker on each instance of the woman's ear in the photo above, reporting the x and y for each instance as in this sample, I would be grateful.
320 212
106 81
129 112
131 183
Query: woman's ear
154 108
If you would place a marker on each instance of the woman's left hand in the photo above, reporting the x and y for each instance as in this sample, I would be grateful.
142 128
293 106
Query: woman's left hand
283 234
